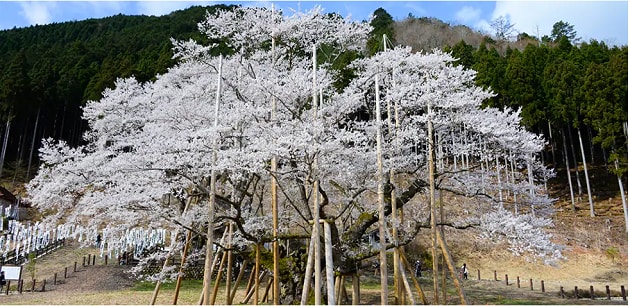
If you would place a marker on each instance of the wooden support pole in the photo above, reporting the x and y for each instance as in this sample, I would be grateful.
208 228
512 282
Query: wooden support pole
251 292
607 292
265 297
228 273
55 279
592 292
562 292
495 275
106 259
309 268
542 285
7 288
356 293
451 267
405 283
180 275
506 280
415 281
83 261
330 273
257 281
344 292
518 282
20 285
250 284
94 260
44 285
531 285
238 281
65 272
217 281
33 285
575 292
623 293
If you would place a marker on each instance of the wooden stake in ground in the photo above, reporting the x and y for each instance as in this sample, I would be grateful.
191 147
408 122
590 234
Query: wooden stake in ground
274 195
317 248
452 269
330 273
180 275
381 200
207 277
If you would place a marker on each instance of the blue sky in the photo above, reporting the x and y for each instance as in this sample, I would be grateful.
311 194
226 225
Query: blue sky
602 20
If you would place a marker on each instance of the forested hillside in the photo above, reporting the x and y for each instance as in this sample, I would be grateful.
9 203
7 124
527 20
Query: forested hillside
49 71
575 94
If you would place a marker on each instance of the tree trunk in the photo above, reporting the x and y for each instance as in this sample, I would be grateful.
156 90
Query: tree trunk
553 144
4 144
591 145
623 194
566 161
32 151
588 184
577 168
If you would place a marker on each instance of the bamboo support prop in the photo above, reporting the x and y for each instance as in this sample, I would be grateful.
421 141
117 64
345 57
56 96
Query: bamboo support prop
451 267
207 275
423 298
228 275
217 281
156 291
180 275
330 273
381 200
274 195
238 281
309 269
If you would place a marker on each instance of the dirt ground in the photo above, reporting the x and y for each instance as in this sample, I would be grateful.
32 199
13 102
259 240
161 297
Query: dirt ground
99 285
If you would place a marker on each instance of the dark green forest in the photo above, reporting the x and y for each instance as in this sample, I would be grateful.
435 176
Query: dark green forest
568 91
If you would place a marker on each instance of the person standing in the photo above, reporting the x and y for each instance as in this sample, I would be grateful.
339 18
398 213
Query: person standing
464 272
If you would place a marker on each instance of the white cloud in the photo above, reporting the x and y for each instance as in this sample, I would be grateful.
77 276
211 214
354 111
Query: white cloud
37 12
467 15
591 19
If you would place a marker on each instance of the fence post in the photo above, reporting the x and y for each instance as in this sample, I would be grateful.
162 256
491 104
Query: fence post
44 285
623 293
506 280
478 274
562 292
65 272
542 285
518 282
531 285
94 260
576 292
55 280
607 292
495 275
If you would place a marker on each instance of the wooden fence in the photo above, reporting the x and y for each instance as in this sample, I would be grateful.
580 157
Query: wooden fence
576 293
18 259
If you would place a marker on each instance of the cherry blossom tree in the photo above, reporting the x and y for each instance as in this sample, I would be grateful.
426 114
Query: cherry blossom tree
148 154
